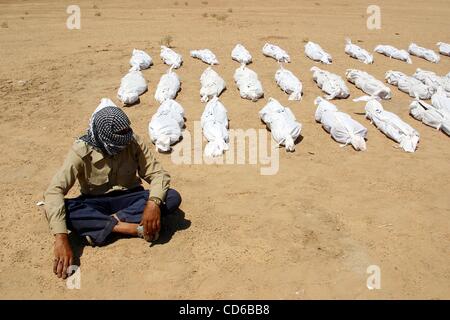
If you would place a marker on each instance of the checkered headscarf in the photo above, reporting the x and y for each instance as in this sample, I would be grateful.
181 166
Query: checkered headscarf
109 130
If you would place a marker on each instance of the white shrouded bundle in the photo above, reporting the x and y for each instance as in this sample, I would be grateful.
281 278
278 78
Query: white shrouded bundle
168 86
289 83
357 52
424 53
433 80
316 53
447 75
330 83
241 55
392 52
166 125
205 55
273 51
431 116
248 83
212 84
341 126
415 88
282 124
140 59
132 86
170 57
444 48
214 122
440 101
368 84
390 124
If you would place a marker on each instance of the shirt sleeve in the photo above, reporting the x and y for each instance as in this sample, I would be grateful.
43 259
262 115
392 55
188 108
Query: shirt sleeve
151 171
60 185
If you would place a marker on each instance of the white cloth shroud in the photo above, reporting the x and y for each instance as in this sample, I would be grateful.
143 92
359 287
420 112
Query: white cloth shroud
368 84
214 122
132 85
248 83
241 54
330 83
392 52
415 88
166 125
357 52
343 128
440 100
431 116
170 57
285 129
168 86
444 48
289 83
206 55
316 53
140 59
424 53
433 80
212 84
390 124
274 51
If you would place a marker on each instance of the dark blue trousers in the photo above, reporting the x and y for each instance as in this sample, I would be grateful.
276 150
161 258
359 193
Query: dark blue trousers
92 215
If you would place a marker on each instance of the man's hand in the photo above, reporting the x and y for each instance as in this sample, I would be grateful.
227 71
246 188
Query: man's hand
151 220
63 255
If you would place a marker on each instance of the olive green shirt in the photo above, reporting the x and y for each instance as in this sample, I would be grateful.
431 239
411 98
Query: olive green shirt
98 174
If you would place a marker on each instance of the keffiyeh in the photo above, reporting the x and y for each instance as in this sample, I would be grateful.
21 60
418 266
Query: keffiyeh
109 130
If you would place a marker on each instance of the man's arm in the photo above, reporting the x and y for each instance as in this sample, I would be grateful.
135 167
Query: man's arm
55 211
151 171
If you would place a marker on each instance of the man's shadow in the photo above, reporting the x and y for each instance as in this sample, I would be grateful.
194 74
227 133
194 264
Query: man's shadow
170 224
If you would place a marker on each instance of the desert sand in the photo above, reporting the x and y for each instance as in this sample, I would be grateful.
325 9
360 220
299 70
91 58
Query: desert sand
308 232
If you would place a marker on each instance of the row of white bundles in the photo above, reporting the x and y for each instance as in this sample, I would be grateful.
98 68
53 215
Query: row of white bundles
212 84
340 125
433 80
282 123
289 83
357 52
444 48
430 115
393 52
205 55
368 84
170 57
241 54
390 124
410 85
424 53
168 86
132 85
273 51
248 83
330 83
316 53
166 125
140 60
214 122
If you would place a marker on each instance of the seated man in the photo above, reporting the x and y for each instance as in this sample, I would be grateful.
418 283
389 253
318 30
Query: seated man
105 162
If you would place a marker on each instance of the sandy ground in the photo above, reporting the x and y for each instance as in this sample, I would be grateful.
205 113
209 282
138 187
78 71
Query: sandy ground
309 231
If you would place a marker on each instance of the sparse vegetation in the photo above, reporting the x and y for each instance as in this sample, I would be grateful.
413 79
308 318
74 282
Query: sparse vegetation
98 14
186 3
5 25
221 17
305 40
230 10
204 15
166 41
94 6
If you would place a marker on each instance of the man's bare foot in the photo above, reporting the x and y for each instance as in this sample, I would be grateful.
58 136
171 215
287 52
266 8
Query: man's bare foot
125 228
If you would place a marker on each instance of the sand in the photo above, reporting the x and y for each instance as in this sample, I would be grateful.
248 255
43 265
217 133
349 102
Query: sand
310 231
